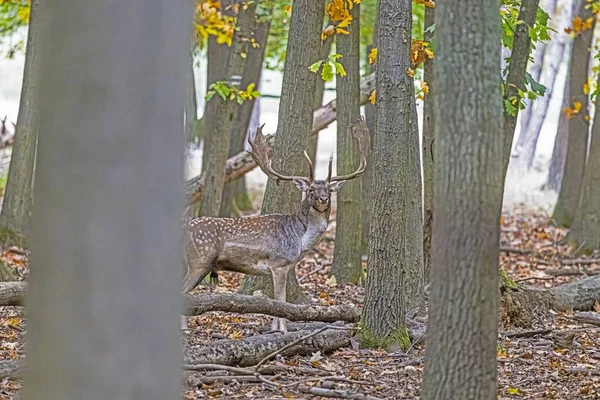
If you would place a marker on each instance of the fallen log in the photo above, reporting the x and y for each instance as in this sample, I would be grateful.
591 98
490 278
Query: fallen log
244 304
11 369
242 163
251 351
12 293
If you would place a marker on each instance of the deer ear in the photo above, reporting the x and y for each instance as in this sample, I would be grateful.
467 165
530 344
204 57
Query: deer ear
301 184
335 186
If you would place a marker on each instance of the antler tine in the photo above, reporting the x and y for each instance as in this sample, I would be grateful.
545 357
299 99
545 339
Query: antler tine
311 169
261 153
360 131
330 168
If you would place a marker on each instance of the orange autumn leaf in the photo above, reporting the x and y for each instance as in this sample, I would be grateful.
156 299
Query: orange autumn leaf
579 25
571 112
373 55
419 52
427 3
372 97
410 72
327 32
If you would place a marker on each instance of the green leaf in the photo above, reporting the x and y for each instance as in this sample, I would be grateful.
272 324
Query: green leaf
209 95
334 57
315 67
339 69
430 29
510 109
327 72
535 87
250 87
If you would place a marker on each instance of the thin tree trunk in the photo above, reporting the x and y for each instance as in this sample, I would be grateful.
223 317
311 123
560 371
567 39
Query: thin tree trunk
319 94
428 158
585 231
109 214
517 67
395 261
18 197
235 193
294 125
217 140
559 47
460 357
347 267
578 125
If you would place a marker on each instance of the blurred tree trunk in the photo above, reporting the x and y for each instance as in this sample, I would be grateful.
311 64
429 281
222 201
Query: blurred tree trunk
294 126
347 266
460 357
99 181
235 194
395 260
319 95
217 139
517 68
428 158
558 48
18 196
578 125
559 152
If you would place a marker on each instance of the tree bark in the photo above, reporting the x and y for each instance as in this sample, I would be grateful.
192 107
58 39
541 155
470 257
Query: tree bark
235 192
217 140
570 188
250 351
559 151
242 163
347 266
18 196
395 260
559 46
460 357
517 67
239 303
293 126
585 231
428 157
109 216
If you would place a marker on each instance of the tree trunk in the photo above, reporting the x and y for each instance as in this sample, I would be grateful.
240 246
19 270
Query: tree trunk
294 125
428 157
559 46
517 68
94 246
217 140
319 94
236 192
242 163
347 266
460 357
570 189
18 197
559 151
395 261
585 231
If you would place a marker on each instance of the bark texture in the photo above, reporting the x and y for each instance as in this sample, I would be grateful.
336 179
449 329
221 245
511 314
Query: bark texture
395 260
250 351
559 151
570 188
242 163
428 156
235 194
217 139
585 230
18 196
347 266
109 216
239 303
294 124
460 357
516 70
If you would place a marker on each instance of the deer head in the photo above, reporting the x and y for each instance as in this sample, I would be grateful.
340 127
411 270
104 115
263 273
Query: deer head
317 192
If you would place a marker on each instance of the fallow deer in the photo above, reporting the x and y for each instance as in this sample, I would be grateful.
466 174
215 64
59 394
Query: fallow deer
267 244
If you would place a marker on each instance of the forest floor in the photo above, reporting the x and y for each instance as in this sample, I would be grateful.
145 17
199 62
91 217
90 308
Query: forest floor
558 361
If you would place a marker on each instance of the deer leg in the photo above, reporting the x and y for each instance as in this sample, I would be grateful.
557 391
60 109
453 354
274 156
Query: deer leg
195 273
279 293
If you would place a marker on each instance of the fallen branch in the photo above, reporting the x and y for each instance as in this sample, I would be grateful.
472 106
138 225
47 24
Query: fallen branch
239 303
242 163
338 394
515 250
12 293
525 334
581 261
251 351
591 318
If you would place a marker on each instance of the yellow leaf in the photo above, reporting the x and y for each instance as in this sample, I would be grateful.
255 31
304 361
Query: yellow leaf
345 22
342 31
424 87
288 9
373 55
372 97
512 390
586 88
327 32
427 3
410 72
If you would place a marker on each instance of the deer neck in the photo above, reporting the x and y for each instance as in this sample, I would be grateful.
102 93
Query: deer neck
313 222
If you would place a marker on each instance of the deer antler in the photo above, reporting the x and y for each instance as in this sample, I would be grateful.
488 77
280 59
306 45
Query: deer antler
261 153
360 131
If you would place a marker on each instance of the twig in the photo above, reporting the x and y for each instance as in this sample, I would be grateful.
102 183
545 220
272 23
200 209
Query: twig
515 250
591 318
314 271
525 334
217 367
582 261
533 278
295 342
338 394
